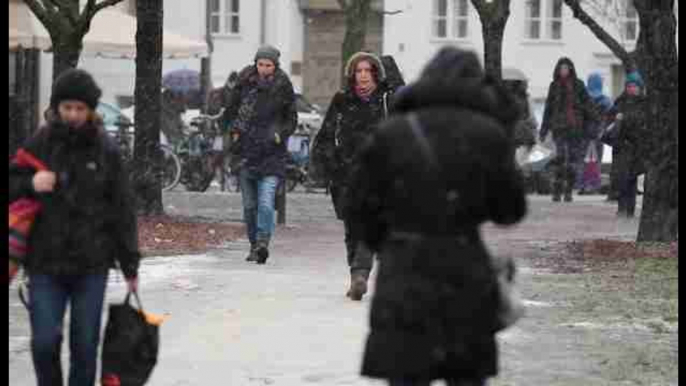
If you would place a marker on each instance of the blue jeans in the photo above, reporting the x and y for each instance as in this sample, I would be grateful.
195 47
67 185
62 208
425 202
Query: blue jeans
48 297
258 205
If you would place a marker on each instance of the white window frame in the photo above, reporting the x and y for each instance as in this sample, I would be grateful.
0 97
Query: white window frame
224 17
626 20
545 21
452 20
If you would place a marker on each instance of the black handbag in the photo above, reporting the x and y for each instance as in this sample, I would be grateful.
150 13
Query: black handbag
131 345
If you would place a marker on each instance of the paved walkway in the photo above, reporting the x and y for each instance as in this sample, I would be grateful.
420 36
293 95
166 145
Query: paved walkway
288 323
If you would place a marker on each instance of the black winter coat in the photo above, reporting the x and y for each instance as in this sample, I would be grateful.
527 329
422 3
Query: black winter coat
630 136
273 113
555 113
348 123
89 221
435 301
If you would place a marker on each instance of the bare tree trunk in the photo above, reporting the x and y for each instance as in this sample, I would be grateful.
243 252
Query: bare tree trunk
66 53
356 16
660 214
493 16
656 59
148 107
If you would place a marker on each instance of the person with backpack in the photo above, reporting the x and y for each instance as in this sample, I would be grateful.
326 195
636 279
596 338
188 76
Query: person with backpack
87 225
427 178
351 118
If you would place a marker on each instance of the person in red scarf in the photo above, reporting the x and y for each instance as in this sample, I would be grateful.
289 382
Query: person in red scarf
569 111
351 118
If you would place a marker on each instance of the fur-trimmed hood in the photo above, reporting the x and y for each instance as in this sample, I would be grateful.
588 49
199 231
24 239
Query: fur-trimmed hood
350 72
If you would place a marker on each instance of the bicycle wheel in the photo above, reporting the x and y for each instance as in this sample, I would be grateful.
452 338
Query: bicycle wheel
169 172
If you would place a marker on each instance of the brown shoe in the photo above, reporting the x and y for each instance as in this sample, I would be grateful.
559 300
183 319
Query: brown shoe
358 286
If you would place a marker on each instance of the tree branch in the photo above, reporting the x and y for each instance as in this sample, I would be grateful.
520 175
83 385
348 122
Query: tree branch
104 4
600 32
392 12
41 12
90 10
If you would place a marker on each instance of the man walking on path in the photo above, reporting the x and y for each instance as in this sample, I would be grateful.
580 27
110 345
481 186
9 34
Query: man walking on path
262 113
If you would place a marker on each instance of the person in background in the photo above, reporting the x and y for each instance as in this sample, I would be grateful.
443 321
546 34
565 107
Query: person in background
568 108
87 225
352 116
261 112
426 180
594 85
630 138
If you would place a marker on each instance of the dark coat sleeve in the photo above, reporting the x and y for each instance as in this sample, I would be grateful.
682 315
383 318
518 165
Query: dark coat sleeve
547 112
21 178
125 223
364 207
506 196
323 151
289 117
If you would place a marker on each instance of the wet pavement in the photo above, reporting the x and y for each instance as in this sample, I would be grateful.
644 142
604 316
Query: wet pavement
288 322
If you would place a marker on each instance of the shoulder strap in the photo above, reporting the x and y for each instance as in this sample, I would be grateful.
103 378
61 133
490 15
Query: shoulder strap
422 141
385 104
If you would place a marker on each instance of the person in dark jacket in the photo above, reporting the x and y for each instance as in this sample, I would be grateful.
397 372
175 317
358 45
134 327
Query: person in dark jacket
629 137
262 114
350 119
421 192
568 109
87 225
394 78
525 128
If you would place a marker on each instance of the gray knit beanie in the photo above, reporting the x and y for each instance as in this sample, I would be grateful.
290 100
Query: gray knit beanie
268 52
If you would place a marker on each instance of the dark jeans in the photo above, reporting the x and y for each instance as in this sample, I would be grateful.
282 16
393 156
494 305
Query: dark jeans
48 296
360 258
626 195
414 382
569 155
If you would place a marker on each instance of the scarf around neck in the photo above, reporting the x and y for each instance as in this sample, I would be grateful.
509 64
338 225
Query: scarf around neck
568 85
365 92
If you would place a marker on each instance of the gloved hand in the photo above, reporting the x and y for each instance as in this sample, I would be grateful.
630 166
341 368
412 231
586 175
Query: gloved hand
277 138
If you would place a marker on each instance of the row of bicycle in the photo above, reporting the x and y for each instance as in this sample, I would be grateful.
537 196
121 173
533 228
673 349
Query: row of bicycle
202 156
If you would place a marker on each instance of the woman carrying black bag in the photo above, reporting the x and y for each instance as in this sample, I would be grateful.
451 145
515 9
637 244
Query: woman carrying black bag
426 180
86 225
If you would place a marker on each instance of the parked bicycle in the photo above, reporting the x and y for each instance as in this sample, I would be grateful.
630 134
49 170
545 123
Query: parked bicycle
203 156
167 171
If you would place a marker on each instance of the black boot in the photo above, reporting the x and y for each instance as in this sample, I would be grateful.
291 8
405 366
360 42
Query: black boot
252 256
262 251
358 285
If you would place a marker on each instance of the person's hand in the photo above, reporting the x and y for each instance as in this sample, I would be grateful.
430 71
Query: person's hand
44 181
277 138
132 284
619 117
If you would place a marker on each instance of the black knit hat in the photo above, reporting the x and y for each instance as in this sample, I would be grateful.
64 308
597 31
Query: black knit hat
75 84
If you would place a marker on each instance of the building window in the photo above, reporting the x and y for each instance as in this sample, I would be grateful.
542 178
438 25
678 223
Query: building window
629 21
451 19
224 17
543 13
